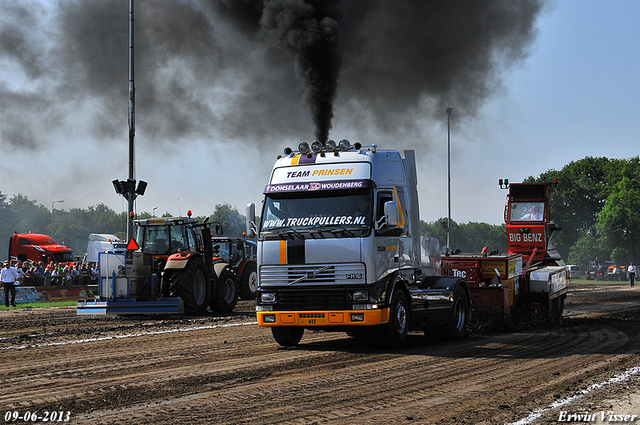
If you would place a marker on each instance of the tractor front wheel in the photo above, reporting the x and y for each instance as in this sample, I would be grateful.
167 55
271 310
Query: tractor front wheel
249 281
226 293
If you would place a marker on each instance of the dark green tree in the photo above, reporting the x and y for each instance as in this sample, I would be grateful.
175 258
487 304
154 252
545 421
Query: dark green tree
29 217
620 219
467 237
232 221
583 186
587 249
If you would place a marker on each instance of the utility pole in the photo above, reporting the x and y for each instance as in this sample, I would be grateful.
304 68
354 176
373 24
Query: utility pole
52 216
449 176
128 188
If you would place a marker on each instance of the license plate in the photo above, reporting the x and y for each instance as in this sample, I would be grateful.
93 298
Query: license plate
312 321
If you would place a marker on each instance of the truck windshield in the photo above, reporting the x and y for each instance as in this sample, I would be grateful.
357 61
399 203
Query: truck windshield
527 211
339 215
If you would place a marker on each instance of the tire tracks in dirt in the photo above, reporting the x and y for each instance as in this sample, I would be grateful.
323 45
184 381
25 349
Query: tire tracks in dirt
239 375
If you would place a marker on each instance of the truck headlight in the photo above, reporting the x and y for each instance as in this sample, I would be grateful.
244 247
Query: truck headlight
357 317
268 297
360 295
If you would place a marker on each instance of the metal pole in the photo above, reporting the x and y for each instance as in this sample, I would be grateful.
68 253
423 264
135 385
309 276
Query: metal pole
52 217
132 123
449 176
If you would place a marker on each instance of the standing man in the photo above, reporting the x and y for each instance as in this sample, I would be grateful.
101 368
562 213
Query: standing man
632 273
9 278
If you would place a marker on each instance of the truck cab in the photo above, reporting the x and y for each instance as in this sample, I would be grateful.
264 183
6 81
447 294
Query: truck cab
339 247
38 247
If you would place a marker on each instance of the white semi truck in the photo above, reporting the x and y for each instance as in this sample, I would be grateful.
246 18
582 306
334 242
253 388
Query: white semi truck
339 248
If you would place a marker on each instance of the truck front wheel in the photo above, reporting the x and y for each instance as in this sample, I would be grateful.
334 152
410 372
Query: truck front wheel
192 285
287 336
394 333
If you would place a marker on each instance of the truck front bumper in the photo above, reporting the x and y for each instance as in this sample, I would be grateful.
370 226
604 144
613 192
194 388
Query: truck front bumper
323 318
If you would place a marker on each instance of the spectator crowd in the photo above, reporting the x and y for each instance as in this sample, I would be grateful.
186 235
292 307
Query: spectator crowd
35 273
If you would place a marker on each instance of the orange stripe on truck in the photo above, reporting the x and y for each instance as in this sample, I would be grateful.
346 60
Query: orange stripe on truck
283 252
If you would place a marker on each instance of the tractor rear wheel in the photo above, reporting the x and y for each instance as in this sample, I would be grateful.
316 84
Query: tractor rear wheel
192 285
226 293
249 281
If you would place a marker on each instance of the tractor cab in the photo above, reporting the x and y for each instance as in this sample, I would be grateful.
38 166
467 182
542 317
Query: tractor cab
530 231
165 236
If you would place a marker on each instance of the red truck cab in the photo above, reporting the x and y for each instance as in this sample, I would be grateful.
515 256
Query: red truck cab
37 247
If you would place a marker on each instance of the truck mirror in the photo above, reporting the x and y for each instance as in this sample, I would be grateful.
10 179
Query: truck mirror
249 223
391 213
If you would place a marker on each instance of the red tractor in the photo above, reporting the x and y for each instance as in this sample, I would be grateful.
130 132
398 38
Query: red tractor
532 273
241 256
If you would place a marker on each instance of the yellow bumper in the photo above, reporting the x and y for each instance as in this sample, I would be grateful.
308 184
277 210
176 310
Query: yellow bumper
323 318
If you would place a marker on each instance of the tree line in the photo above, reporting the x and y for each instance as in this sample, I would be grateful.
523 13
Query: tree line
596 203
73 227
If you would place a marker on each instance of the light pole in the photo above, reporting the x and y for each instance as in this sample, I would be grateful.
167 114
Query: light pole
52 217
449 176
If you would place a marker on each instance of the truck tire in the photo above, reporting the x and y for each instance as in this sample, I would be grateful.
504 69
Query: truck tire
249 281
226 293
287 336
192 285
556 307
394 333
456 328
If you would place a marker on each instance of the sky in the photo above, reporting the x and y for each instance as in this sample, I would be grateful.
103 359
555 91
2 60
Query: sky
223 86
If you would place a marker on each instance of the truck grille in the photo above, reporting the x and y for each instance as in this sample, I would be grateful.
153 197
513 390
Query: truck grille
312 299
313 274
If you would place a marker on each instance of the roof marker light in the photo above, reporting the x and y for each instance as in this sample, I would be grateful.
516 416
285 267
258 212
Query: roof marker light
303 147
316 146
344 145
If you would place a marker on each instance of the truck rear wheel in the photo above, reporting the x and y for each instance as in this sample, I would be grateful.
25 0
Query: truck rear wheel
226 293
395 332
249 281
192 285
456 328
287 336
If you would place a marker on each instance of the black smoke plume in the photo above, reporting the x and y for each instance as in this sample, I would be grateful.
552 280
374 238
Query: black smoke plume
211 69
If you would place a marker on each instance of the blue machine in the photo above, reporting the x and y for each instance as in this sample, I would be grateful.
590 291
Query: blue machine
127 286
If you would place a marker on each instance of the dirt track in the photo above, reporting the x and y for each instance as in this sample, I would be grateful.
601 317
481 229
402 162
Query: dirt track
227 370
